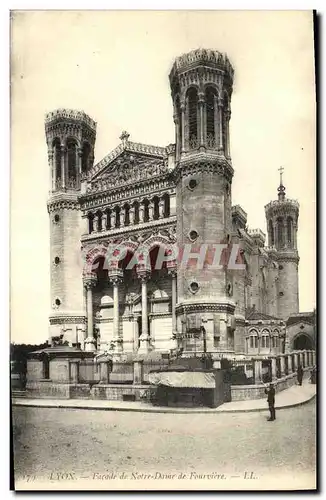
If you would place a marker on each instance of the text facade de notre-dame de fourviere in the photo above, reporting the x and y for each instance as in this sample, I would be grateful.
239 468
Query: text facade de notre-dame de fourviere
142 200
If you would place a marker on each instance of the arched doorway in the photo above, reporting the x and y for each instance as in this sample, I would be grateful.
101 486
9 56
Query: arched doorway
302 342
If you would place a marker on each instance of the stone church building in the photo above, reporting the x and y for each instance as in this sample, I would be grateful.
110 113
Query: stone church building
141 200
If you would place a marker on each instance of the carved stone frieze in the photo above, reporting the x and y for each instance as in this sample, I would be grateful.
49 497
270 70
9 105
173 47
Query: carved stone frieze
223 307
128 169
60 320
62 204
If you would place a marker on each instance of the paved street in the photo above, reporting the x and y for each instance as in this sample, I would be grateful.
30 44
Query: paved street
84 443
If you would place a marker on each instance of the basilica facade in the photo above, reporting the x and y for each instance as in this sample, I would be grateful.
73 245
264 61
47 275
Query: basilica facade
112 221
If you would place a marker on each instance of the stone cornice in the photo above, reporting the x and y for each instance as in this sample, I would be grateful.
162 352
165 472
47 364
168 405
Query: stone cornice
282 207
202 306
203 162
287 256
61 204
60 320
132 192
199 57
126 231
69 114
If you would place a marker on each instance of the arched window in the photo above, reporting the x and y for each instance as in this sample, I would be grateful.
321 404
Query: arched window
57 161
90 217
289 230
210 116
156 212
253 339
136 208
280 232
108 218
192 117
99 220
72 163
85 157
265 339
178 123
271 233
146 210
127 215
166 198
117 216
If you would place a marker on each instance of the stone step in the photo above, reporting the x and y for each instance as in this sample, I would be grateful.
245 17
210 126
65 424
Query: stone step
17 393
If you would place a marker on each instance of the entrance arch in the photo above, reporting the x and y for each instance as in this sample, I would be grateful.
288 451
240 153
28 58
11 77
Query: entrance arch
302 342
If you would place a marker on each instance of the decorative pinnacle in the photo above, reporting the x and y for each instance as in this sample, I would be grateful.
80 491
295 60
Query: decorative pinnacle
281 188
124 136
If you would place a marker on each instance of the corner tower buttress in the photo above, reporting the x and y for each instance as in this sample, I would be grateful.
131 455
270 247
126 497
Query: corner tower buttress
201 86
70 137
282 227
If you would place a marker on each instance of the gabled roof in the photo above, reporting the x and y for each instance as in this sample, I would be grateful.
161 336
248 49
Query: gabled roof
305 317
254 315
129 147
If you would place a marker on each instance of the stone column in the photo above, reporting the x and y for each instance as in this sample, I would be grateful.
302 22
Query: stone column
307 359
220 125
74 372
122 216
227 133
96 223
296 355
141 211
79 165
104 372
115 277
90 342
138 372
310 359
289 363
132 215
177 136
294 232
63 172
151 210
216 124
282 363
273 368
104 220
161 206
173 274
275 233
52 169
112 219
258 371
201 104
314 358
136 333
182 109
144 338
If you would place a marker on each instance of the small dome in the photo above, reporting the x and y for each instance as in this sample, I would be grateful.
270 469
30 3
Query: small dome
160 294
106 299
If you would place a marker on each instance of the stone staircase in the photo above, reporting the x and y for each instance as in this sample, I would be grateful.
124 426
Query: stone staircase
18 393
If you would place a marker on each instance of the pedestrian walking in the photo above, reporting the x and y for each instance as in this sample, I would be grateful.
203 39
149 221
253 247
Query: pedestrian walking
300 374
270 391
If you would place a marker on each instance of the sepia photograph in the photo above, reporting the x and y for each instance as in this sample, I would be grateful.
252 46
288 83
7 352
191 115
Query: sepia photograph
163 320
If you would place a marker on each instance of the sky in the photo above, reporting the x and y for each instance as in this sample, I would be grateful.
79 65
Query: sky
114 65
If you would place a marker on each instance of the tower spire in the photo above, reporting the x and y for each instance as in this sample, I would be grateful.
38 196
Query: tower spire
281 188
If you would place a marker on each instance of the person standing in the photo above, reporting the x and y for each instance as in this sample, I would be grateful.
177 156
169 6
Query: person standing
300 374
270 391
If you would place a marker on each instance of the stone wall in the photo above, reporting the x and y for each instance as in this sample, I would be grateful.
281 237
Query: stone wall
112 392
246 392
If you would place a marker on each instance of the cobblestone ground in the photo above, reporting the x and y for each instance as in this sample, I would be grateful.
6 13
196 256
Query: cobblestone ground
84 443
